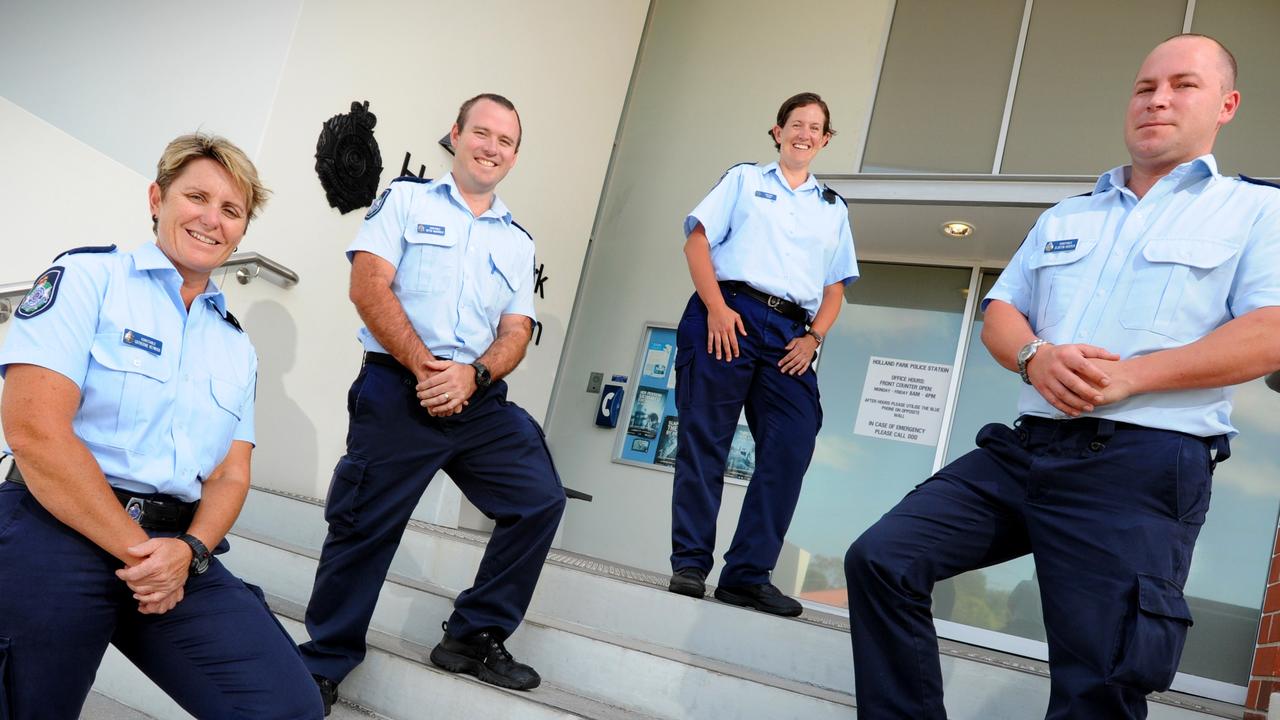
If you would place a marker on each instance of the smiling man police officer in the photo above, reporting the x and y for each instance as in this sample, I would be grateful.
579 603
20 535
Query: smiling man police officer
1128 313
443 279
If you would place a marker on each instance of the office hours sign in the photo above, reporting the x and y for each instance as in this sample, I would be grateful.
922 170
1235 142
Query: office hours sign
902 400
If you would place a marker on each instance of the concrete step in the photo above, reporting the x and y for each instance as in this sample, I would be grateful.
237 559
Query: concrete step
602 604
813 650
396 681
643 677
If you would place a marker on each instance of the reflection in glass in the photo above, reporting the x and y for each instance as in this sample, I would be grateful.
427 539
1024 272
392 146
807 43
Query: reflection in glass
894 311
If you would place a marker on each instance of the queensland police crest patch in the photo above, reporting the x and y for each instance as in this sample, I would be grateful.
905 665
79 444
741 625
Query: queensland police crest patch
377 204
42 295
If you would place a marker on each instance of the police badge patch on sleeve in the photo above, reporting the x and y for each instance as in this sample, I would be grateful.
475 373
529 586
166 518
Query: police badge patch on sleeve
377 204
42 294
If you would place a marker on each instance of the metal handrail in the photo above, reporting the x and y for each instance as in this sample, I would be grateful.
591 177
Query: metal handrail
248 266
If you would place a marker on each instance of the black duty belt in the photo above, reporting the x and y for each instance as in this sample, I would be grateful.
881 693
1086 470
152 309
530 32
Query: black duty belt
385 360
163 513
782 306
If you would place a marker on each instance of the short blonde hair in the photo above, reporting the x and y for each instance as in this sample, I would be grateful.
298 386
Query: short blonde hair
185 148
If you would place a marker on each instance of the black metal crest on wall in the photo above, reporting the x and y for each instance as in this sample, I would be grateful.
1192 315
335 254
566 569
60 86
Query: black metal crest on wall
347 159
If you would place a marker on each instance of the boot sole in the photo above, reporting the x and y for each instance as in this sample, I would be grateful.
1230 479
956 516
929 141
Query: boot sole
732 598
688 590
457 663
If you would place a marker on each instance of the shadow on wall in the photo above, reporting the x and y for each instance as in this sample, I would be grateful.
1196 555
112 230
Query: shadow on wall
285 457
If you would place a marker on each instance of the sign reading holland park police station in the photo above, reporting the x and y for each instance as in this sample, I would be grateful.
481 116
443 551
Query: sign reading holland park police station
902 400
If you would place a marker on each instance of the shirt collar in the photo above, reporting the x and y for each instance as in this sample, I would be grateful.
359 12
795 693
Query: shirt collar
1205 166
149 256
497 210
810 183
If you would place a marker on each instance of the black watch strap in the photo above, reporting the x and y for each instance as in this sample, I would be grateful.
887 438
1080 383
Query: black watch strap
199 554
483 378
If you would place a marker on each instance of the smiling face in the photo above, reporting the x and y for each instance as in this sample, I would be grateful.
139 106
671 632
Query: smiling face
1182 95
484 147
200 218
801 137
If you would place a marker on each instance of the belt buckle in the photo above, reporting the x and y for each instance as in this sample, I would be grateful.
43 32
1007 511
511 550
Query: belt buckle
134 509
774 302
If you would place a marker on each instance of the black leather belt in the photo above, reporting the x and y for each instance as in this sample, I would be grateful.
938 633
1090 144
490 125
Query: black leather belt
385 360
784 307
164 513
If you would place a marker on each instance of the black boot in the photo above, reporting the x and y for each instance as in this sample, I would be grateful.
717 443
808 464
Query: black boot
483 655
328 692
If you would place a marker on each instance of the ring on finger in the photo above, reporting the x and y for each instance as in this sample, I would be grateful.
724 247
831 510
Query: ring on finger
446 397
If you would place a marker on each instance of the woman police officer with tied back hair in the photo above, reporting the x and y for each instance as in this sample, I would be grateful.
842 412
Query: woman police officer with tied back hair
128 407
770 252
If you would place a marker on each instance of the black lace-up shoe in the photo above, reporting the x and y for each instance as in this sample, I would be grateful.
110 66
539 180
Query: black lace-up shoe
765 598
328 692
484 656
688 581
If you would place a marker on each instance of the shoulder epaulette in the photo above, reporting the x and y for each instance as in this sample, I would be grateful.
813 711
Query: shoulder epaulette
731 167
831 196
87 249
412 179
232 321
526 232
1256 181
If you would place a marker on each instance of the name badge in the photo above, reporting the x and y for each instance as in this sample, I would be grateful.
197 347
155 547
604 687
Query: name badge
431 229
1055 246
138 340
765 195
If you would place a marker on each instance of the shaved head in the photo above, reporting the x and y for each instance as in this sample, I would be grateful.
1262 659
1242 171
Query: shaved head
1229 67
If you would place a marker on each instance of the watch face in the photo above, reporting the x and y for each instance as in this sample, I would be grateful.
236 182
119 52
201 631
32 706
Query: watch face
200 565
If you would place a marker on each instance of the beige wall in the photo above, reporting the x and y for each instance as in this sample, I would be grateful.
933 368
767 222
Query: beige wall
565 63
711 76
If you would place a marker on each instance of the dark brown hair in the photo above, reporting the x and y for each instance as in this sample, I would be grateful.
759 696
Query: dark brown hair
491 97
799 100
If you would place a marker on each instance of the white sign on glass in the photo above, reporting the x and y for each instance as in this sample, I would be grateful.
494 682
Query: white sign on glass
902 400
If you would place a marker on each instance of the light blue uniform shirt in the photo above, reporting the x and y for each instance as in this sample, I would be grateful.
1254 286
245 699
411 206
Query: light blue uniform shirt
788 243
163 392
1136 276
456 274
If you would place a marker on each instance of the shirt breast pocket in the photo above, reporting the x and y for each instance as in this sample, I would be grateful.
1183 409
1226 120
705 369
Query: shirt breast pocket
226 411
1058 278
123 389
432 266
499 286
1179 288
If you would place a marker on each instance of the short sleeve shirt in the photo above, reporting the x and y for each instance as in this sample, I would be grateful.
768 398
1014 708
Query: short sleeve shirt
1136 276
456 274
163 391
786 242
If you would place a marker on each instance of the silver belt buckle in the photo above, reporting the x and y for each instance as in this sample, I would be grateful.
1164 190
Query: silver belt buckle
134 509
774 302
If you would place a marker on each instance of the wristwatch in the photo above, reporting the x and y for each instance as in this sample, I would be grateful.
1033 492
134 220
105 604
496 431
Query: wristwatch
483 378
199 554
815 335
1027 352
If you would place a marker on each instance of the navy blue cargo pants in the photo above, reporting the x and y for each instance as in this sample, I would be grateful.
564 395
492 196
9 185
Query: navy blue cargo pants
784 416
219 652
496 454
1109 511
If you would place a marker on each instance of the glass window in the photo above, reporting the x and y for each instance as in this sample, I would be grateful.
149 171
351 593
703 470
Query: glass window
898 312
1077 69
943 86
1248 28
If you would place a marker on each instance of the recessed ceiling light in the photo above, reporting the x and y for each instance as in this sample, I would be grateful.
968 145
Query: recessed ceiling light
957 229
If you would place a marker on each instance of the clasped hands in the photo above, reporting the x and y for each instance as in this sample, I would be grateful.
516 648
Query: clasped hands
446 387
1078 378
157 580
